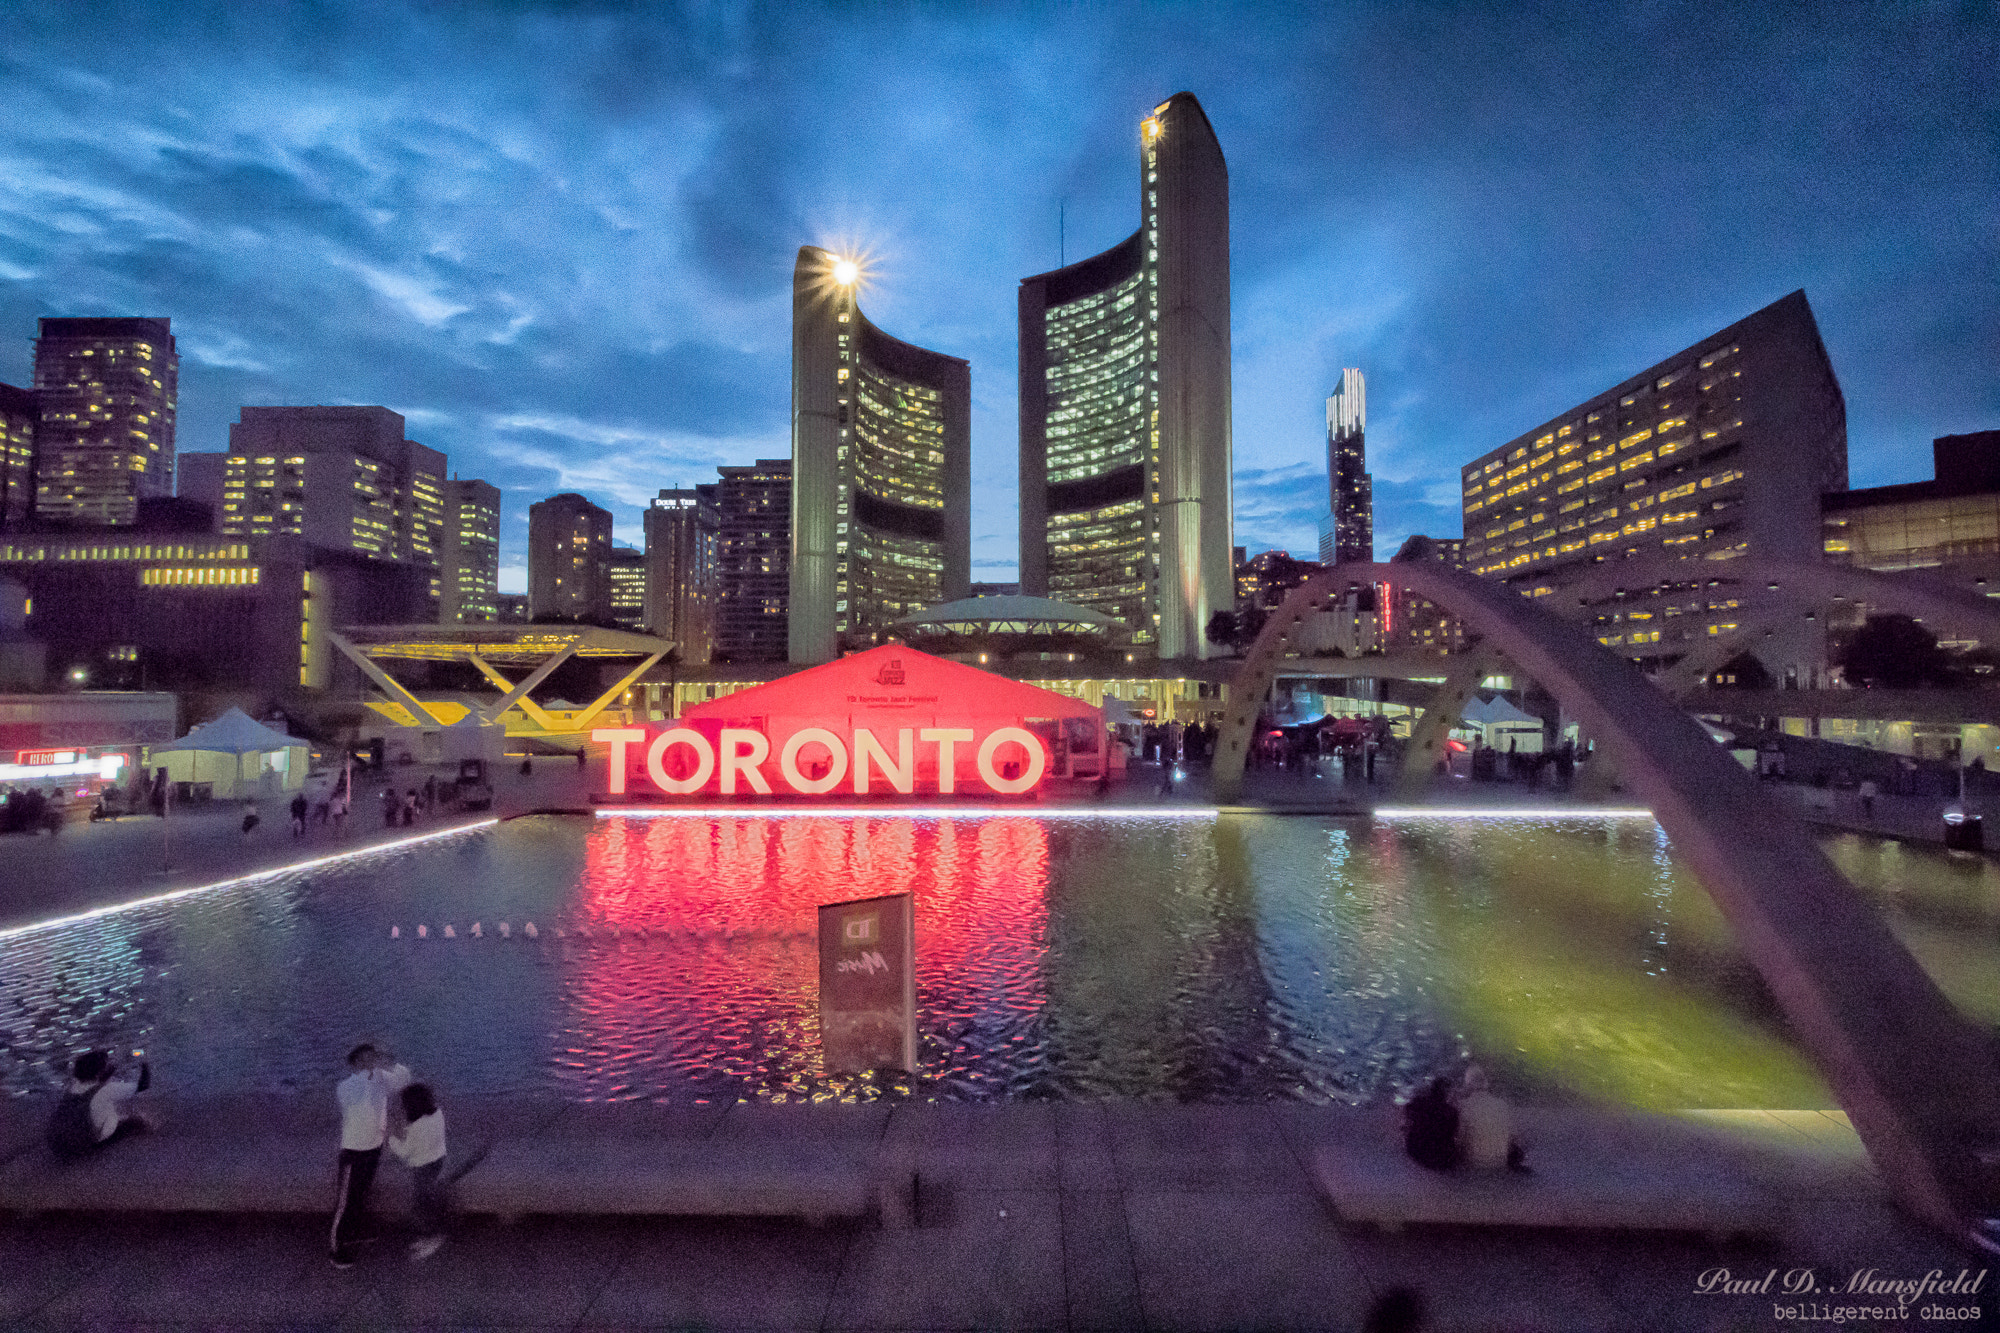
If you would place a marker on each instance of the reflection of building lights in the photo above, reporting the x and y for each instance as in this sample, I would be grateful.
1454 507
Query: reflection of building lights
739 812
1418 812
158 898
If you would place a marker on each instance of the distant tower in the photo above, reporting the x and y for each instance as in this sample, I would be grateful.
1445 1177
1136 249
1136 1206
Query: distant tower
881 469
18 415
682 536
569 559
470 554
1125 405
753 560
108 390
1347 532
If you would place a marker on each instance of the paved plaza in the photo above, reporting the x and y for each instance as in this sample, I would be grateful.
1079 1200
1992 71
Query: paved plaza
1030 1216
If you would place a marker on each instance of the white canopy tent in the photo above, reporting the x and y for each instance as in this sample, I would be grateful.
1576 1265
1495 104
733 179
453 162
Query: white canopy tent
1501 725
235 756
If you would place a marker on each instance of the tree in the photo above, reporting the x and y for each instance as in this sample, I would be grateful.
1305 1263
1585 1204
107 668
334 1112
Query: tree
1222 629
1894 652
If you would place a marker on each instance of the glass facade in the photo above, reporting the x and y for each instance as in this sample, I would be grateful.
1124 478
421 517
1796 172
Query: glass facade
1103 425
897 455
1914 534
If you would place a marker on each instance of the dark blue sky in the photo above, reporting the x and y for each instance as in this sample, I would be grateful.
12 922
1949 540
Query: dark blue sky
559 237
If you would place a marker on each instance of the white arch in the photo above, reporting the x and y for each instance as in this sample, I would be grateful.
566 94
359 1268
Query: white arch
1921 1084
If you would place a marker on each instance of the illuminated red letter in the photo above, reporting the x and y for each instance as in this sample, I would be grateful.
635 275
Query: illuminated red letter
946 738
618 738
1027 740
704 761
742 751
902 774
788 761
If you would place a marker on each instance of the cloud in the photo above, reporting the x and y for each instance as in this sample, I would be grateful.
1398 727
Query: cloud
559 236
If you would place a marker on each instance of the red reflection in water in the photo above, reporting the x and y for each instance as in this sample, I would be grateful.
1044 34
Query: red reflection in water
714 958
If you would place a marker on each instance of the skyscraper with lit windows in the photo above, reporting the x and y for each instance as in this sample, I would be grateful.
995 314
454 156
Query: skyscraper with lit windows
341 477
1347 532
881 469
683 537
569 560
1125 405
107 390
19 414
470 553
1721 450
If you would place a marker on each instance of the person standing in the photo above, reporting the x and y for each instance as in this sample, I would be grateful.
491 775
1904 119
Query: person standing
299 809
421 1148
363 1097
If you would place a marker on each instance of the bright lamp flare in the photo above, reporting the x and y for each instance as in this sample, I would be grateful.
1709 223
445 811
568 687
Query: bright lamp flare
846 272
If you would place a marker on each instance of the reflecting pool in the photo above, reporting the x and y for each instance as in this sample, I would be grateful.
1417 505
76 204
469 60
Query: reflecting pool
1225 958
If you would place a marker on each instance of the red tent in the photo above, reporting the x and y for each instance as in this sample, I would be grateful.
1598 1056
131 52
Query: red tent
877 707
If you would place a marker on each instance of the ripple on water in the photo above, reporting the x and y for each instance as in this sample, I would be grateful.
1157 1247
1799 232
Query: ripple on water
1240 959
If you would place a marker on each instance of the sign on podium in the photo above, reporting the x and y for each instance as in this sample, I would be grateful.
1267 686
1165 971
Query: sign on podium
868 984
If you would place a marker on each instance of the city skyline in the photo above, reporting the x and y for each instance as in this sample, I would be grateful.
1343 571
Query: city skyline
579 282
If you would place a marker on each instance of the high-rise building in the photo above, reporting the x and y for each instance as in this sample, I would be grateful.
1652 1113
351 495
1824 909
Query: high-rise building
18 413
1125 405
469 553
569 559
1722 449
107 390
343 478
1347 532
881 469
1410 623
682 534
753 561
628 587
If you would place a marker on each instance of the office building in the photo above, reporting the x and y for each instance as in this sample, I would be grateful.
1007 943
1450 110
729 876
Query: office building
1125 405
1920 525
682 535
753 577
881 469
1414 624
18 413
469 553
627 569
1347 530
342 478
569 560
107 390
1722 449
511 608
134 608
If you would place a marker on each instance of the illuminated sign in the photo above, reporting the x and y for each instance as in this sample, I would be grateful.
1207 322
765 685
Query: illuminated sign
813 761
46 756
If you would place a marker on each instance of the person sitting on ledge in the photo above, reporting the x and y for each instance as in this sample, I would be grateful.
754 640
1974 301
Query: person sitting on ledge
1430 1128
1485 1127
91 1114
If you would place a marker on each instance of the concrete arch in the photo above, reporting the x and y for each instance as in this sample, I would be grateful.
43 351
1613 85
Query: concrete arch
1920 1082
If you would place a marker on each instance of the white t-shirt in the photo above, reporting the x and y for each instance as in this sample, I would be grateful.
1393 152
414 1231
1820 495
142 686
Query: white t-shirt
107 1104
423 1142
364 1105
1484 1129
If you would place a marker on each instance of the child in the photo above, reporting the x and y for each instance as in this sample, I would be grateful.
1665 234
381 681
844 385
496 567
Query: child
421 1148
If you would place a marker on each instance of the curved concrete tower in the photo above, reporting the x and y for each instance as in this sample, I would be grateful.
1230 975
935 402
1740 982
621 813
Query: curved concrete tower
881 469
1125 404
